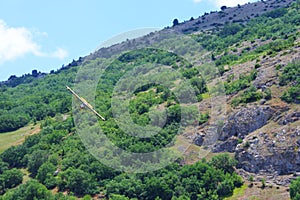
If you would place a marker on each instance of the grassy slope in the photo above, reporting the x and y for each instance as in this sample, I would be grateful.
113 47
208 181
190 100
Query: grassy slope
17 137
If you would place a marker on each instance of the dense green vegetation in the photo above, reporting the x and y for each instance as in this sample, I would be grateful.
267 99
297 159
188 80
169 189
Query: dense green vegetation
80 173
290 76
295 189
36 100
243 82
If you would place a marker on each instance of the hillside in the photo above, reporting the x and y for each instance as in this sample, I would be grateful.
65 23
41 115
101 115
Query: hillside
174 101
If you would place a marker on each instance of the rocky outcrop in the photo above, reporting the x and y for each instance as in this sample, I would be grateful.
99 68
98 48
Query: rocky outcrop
245 121
229 145
290 118
278 154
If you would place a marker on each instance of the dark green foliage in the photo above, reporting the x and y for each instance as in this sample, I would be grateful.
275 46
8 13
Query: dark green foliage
199 85
35 160
203 118
224 162
243 82
35 100
276 13
188 182
118 197
9 179
225 188
31 190
77 181
257 65
249 95
45 175
295 189
11 122
190 73
15 156
291 76
292 94
267 94
226 59
230 29
157 188
3 166
263 183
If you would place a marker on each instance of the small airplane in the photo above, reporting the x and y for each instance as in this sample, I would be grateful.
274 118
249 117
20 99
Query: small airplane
85 103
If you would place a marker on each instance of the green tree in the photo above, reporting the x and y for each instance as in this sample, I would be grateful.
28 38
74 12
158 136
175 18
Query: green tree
225 188
224 162
36 159
3 166
11 178
157 188
31 190
295 189
14 156
78 181
45 175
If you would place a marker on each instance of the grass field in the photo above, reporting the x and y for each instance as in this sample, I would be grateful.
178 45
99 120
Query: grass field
17 137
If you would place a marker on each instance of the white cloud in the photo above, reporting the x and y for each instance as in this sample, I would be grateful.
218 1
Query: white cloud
17 42
60 53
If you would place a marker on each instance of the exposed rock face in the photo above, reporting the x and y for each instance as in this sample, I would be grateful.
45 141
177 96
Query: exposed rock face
229 145
283 163
295 116
271 141
199 139
245 121
278 155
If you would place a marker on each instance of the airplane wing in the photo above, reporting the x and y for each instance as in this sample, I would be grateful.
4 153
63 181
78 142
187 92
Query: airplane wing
89 106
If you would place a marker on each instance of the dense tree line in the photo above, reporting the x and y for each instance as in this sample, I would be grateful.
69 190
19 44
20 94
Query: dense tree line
81 174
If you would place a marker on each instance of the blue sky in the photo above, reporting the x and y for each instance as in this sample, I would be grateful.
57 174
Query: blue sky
44 35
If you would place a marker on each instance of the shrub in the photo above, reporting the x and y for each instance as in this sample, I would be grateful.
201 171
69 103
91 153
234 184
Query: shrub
295 189
257 65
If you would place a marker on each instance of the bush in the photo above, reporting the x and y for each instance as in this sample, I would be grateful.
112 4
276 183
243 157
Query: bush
10 178
235 86
290 76
295 189
224 162
248 96
230 29
292 94
225 188
257 65
31 190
